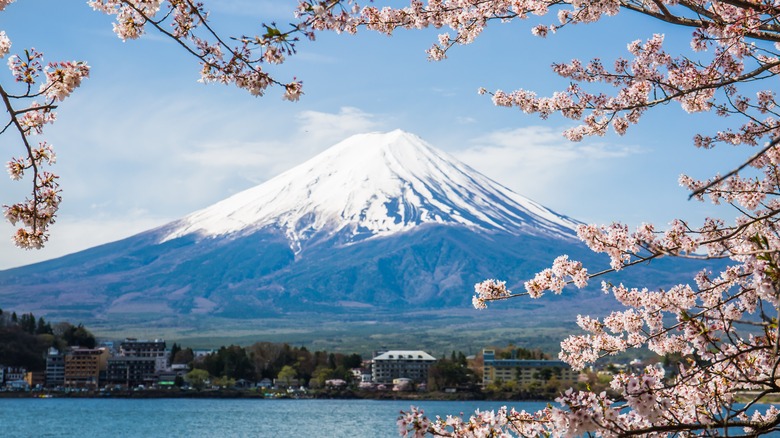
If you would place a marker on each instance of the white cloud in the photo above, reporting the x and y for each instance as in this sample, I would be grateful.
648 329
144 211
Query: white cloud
70 235
125 171
465 120
327 128
259 159
538 162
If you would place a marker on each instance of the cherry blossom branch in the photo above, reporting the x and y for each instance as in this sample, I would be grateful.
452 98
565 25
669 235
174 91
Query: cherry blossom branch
735 171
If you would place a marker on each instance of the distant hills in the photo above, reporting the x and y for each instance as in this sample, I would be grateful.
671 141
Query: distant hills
380 235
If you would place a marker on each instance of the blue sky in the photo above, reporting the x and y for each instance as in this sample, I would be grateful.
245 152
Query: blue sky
142 143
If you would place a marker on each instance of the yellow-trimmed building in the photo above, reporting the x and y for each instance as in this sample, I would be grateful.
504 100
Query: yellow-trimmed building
525 371
83 366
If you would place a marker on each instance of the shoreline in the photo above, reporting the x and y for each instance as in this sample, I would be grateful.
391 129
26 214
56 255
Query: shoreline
253 394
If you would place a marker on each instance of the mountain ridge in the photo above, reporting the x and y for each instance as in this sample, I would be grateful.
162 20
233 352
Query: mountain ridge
371 185
412 234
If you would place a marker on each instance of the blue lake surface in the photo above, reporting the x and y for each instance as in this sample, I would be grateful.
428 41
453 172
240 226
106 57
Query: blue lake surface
193 418
148 418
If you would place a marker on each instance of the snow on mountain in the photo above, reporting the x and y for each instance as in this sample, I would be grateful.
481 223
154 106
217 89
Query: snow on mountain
371 185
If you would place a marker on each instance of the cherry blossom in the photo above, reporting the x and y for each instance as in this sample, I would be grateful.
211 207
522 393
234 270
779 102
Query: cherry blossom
722 322
39 88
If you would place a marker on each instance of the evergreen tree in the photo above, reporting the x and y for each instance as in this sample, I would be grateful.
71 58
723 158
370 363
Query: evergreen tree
43 328
78 336
174 349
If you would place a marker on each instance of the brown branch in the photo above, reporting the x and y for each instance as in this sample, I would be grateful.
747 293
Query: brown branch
716 181
22 133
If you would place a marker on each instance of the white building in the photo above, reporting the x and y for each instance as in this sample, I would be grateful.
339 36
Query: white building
395 364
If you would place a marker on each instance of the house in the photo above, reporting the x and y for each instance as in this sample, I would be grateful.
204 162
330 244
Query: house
525 371
243 384
35 379
17 385
403 384
394 364
286 383
14 374
166 379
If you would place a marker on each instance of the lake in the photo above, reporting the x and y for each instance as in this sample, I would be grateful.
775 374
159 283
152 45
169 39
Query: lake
193 418
148 418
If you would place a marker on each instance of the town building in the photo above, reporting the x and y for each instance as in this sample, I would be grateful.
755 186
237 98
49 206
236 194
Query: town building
525 371
131 372
35 379
55 368
83 367
13 374
395 364
132 347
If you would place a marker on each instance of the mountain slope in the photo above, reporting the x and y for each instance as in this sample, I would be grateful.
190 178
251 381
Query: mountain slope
378 227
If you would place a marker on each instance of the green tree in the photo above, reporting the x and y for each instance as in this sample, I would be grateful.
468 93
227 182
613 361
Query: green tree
287 374
547 373
43 327
448 373
78 336
19 348
231 362
353 360
331 360
183 356
175 348
27 323
320 375
224 382
197 378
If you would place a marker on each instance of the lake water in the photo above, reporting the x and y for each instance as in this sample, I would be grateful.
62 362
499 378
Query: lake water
216 418
149 418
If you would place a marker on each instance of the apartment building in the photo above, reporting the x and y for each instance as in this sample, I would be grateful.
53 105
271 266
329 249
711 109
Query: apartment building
411 364
525 371
83 367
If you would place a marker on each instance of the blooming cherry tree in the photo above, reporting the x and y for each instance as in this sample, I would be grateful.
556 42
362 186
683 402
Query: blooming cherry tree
39 88
724 324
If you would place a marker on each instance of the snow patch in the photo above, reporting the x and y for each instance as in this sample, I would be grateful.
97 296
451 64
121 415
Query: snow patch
371 185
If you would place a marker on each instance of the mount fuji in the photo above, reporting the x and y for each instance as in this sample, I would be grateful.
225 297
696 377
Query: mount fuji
378 227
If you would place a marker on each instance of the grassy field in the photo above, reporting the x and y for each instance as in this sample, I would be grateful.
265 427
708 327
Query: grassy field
437 332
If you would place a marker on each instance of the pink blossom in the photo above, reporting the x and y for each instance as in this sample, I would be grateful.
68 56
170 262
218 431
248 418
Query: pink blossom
5 43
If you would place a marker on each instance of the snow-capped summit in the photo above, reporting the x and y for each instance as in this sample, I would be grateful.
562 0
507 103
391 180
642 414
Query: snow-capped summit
303 251
371 185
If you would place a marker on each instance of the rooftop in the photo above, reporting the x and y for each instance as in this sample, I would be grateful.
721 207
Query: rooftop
405 355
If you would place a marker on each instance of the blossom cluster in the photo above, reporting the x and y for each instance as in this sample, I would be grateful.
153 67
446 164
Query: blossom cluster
723 323
29 112
62 78
555 278
187 22
42 86
489 290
